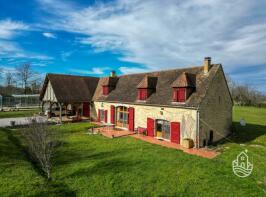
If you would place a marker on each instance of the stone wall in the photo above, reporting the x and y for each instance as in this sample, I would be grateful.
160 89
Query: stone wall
216 110
186 117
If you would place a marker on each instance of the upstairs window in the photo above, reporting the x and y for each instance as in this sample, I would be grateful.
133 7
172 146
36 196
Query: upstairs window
142 94
179 94
105 90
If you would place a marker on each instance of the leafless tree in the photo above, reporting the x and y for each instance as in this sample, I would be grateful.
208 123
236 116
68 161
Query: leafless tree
41 141
24 73
9 79
1 71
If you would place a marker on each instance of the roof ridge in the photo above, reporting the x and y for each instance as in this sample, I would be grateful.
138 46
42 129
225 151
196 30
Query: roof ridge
165 70
69 75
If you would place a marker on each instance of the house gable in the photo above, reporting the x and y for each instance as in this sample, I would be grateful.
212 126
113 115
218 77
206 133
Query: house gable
49 94
216 109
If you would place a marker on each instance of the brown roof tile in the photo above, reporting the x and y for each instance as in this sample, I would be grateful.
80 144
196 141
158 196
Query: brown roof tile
69 88
148 82
185 80
126 87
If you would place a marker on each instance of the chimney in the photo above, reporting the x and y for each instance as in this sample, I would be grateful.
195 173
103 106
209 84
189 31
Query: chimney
112 73
207 65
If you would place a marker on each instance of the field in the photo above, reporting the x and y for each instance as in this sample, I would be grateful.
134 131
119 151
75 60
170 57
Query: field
89 165
15 114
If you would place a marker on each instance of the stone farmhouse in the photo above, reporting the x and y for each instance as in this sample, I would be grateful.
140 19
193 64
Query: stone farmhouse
170 105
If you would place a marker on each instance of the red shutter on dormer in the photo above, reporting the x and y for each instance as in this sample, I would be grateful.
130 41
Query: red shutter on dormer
105 90
179 94
142 94
175 94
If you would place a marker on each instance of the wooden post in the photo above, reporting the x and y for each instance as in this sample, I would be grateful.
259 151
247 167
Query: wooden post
50 110
60 114
42 104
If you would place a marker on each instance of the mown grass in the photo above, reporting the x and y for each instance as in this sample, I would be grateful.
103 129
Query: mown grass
92 165
16 114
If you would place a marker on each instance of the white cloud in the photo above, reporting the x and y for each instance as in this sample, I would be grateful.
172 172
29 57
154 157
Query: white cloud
9 28
169 34
49 35
93 71
131 70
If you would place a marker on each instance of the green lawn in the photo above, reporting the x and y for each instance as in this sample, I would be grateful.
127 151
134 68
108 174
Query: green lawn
89 165
15 114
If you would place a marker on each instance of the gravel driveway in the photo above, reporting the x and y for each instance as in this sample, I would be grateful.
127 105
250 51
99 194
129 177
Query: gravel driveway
5 122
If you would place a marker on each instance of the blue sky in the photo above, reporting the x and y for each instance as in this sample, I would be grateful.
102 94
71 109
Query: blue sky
93 37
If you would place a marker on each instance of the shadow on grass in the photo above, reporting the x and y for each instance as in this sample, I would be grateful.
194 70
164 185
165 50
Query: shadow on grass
244 134
56 189
13 139
248 133
103 167
70 156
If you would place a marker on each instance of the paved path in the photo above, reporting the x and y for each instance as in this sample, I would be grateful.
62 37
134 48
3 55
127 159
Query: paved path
5 122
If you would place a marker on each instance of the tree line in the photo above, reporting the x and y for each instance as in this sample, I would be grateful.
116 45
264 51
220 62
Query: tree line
246 95
23 80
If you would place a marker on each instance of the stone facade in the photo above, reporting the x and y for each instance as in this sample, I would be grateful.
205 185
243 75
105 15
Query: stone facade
216 110
186 117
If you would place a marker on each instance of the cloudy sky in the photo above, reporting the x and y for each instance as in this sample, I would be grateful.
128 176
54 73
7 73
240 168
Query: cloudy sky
93 37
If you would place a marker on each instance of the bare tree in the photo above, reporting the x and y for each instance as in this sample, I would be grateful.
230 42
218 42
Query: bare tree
9 79
41 141
25 73
1 71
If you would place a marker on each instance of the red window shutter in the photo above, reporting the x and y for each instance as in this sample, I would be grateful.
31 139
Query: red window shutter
181 95
112 114
99 115
105 116
174 94
150 127
145 94
105 90
139 94
142 94
175 132
131 113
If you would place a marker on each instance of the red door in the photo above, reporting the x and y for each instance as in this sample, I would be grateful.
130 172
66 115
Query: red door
112 114
105 116
99 115
150 127
175 132
131 119
86 109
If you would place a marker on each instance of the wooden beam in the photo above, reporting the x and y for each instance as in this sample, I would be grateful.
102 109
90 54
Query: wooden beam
60 114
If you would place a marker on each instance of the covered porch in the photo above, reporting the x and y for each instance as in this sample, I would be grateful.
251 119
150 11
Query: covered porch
66 112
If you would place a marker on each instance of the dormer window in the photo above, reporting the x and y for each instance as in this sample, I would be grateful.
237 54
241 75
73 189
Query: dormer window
179 94
108 84
183 87
142 94
105 90
146 87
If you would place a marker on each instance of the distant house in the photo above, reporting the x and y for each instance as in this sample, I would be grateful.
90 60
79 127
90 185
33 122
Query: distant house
171 105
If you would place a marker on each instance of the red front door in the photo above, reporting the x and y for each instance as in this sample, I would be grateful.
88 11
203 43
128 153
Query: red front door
131 112
86 109
150 127
175 132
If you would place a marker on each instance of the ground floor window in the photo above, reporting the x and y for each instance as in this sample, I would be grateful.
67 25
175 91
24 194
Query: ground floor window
122 116
101 115
163 129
